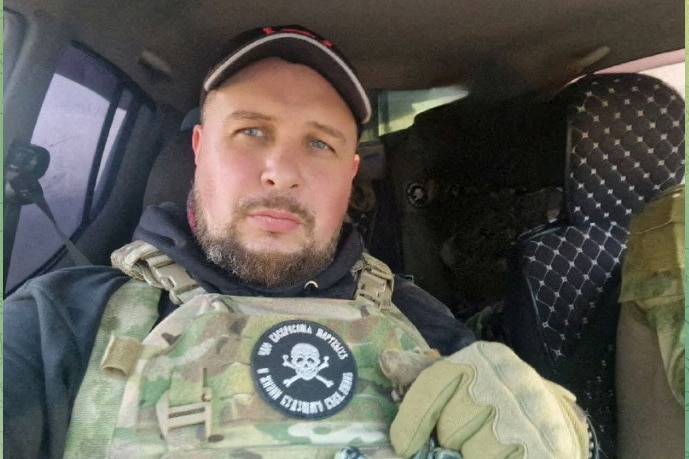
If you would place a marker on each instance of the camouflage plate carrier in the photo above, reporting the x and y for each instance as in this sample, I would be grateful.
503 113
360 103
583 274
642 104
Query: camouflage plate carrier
228 376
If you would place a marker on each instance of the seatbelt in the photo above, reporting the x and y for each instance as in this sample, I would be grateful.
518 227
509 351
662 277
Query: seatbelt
24 165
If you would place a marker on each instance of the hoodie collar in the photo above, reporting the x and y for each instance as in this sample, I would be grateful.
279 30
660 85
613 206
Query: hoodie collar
165 226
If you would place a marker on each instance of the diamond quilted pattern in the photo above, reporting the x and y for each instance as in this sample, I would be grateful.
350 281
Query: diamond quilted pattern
567 271
627 144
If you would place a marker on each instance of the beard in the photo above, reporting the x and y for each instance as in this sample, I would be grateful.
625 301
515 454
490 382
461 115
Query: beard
223 247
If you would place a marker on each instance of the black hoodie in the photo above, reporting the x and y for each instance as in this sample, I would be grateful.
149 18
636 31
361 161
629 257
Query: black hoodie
51 324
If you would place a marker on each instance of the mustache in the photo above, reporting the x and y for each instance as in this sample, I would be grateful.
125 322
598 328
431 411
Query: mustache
275 201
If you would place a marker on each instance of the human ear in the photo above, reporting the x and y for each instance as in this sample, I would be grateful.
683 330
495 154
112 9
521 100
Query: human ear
355 164
196 142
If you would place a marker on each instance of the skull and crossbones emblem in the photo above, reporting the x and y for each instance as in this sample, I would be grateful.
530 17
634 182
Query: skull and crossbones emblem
305 360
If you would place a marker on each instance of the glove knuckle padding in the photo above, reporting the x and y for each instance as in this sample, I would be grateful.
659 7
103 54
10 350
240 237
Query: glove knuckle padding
488 403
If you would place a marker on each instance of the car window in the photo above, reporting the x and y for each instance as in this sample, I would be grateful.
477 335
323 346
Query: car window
395 110
84 123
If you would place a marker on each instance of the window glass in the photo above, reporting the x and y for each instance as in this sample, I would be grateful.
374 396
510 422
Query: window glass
397 109
82 124
114 137
671 74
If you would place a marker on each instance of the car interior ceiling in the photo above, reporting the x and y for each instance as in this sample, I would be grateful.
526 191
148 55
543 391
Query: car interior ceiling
167 51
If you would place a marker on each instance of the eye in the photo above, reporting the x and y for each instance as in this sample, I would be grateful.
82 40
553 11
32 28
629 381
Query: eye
253 132
320 145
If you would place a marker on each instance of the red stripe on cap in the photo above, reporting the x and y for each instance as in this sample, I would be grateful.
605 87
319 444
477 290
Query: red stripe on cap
306 33
300 32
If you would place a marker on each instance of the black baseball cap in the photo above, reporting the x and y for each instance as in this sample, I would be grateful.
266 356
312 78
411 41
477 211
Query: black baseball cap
296 44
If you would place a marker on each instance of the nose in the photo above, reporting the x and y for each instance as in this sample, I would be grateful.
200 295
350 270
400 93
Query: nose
281 169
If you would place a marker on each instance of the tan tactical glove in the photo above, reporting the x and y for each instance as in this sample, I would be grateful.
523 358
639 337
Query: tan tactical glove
485 402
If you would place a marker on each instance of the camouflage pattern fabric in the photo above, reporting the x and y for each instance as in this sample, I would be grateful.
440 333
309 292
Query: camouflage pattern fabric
194 388
131 312
653 279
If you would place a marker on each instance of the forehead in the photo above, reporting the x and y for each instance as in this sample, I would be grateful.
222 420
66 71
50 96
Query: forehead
275 80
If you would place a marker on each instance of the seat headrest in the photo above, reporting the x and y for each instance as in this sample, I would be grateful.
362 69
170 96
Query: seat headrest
625 145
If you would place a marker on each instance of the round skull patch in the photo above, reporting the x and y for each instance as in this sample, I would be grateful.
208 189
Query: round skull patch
303 369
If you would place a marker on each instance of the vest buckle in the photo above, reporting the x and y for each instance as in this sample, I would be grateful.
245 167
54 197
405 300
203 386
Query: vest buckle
185 415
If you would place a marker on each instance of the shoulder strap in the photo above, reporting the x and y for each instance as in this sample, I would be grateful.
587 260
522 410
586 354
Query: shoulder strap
375 282
141 260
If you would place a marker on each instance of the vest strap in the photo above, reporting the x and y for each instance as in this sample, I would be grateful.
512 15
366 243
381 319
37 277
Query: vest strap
375 283
143 261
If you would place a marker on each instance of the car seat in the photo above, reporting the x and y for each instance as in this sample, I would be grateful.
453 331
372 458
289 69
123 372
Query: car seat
172 172
468 178
625 145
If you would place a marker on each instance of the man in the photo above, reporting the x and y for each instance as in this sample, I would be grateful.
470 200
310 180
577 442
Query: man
284 363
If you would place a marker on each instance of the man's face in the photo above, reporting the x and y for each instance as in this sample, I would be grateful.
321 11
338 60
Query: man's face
275 158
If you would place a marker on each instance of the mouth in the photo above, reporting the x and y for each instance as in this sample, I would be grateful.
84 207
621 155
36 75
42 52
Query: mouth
274 221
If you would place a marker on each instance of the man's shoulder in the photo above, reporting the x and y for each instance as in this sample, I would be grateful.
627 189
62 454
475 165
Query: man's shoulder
69 286
431 317
63 306
76 276
406 292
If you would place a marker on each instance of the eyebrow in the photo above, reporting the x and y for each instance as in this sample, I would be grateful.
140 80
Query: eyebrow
331 131
249 115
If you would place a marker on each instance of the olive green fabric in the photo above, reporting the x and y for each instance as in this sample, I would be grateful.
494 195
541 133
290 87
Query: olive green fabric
650 335
653 279
486 403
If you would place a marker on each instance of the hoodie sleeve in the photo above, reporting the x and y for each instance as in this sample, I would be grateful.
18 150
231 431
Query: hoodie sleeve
431 317
50 325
